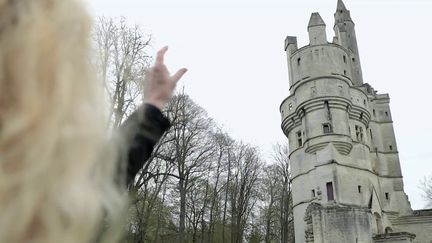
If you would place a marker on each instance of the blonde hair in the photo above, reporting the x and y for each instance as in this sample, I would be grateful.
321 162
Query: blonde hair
54 184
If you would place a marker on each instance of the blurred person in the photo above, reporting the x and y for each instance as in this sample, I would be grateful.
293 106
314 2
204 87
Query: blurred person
56 171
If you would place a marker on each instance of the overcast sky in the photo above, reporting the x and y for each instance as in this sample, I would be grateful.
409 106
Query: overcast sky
238 68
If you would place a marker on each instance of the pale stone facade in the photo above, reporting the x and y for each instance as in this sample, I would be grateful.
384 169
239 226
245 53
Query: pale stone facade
347 180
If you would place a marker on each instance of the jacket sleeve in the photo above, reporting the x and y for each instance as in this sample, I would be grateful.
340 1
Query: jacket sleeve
142 131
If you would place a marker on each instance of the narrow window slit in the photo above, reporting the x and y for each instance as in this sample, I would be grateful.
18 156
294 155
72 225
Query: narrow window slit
299 139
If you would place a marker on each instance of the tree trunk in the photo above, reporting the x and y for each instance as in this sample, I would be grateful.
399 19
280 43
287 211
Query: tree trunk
269 217
226 199
182 216
211 223
159 215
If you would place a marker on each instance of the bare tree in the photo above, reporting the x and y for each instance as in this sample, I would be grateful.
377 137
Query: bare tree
281 158
196 204
196 176
147 201
191 148
122 61
227 191
426 187
224 145
243 189
214 178
271 184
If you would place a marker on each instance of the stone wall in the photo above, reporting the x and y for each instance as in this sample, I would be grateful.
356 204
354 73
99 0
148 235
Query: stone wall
399 237
418 223
337 224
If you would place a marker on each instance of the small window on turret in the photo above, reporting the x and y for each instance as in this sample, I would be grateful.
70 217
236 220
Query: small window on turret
353 59
374 113
298 61
330 195
299 139
386 113
344 59
387 196
327 107
313 193
345 72
359 133
390 147
359 188
327 128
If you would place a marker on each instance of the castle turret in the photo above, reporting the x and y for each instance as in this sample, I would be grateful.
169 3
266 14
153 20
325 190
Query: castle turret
290 48
346 37
343 153
317 30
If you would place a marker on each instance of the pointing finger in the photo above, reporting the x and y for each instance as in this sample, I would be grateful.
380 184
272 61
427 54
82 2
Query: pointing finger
160 55
179 74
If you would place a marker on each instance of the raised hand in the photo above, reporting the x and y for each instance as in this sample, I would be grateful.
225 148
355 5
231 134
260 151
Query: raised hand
159 84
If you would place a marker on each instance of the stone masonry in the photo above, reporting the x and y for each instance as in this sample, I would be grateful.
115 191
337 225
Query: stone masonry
347 179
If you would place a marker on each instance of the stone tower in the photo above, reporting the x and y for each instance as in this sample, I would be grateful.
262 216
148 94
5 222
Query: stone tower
346 175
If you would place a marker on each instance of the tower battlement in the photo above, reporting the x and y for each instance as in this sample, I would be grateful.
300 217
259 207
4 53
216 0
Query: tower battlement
344 39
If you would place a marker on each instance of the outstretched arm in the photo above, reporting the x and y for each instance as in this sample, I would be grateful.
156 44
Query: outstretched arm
145 126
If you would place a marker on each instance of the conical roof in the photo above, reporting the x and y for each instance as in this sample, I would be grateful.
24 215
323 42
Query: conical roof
341 6
316 20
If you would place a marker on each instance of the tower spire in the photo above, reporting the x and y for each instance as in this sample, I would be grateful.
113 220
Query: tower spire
346 37
342 13
341 6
